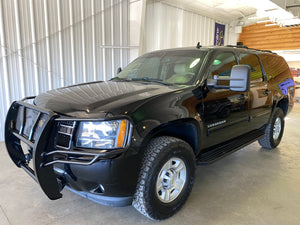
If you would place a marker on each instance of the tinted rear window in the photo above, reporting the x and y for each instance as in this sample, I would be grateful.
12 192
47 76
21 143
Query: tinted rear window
274 66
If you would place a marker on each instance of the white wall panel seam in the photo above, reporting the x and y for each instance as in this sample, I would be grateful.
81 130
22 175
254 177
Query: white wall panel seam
121 33
180 27
61 58
94 41
128 27
226 38
159 25
33 36
47 44
83 42
19 47
142 28
112 35
4 59
72 41
103 41
205 30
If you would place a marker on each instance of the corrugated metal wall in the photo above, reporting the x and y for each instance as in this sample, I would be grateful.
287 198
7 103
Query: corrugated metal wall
47 44
168 26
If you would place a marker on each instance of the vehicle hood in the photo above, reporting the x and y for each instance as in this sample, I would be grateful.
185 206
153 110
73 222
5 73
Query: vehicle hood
97 99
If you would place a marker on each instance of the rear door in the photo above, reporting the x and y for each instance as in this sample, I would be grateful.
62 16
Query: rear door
260 96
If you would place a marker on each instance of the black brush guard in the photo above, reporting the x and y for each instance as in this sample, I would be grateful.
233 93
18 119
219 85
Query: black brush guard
33 126
38 128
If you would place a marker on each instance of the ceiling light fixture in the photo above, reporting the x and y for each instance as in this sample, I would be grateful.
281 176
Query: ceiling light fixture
274 13
271 24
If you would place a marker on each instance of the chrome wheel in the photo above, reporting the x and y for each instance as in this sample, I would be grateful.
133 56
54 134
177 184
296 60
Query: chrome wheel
171 180
276 128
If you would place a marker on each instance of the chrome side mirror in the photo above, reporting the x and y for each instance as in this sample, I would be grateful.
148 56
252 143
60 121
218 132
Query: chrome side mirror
240 78
119 70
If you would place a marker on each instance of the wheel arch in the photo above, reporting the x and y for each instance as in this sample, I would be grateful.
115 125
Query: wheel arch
283 104
187 130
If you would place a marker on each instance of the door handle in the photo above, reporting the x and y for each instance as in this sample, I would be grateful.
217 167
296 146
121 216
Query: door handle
266 92
241 97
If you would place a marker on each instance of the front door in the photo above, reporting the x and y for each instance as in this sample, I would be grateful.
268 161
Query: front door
225 113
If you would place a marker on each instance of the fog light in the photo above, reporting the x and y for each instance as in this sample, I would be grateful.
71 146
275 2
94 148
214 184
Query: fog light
98 190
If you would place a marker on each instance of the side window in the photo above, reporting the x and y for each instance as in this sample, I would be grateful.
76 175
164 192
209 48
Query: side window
252 61
221 66
274 66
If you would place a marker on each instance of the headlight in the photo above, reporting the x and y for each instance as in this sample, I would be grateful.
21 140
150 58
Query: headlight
103 135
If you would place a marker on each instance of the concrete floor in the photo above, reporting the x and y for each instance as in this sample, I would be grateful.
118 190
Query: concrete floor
251 186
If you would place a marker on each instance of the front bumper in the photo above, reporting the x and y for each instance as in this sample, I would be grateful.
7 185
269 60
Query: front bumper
52 165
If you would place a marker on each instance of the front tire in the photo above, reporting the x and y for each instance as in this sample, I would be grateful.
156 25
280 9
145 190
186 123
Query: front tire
166 178
274 130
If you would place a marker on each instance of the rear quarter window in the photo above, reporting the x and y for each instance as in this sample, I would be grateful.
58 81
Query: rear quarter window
278 73
275 66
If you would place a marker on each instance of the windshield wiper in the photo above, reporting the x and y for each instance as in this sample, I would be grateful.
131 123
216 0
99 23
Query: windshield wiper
147 79
120 79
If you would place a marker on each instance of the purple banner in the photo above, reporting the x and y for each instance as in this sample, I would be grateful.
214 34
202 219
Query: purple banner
219 34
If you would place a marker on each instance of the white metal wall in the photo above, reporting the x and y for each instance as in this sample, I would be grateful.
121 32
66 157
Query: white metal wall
47 44
167 26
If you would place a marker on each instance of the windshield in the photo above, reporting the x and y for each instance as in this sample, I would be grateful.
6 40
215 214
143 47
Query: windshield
169 67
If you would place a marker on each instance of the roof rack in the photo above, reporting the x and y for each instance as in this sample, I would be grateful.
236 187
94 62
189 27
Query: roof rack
240 45
268 51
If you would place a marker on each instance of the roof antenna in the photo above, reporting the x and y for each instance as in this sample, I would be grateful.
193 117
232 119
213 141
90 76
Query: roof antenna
198 45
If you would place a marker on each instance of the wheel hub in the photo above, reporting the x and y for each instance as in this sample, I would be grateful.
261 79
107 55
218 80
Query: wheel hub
168 179
276 129
171 180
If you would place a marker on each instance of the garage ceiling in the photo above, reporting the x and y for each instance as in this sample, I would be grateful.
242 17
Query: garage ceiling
231 10
224 10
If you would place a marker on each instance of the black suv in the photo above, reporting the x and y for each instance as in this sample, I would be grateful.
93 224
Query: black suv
137 138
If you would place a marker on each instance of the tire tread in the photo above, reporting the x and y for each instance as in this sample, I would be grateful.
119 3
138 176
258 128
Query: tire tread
266 141
155 146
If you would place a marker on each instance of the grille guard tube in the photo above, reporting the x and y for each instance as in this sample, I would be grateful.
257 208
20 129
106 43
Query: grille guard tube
45 176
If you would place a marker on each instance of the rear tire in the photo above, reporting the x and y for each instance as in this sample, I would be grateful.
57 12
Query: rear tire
274 130
166 178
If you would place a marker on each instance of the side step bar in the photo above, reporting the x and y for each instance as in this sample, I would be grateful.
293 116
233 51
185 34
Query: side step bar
229 147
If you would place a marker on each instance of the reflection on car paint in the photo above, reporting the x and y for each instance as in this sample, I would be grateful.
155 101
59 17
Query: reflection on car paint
285 85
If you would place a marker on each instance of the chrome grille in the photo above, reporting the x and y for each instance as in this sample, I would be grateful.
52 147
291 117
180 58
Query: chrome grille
65 134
